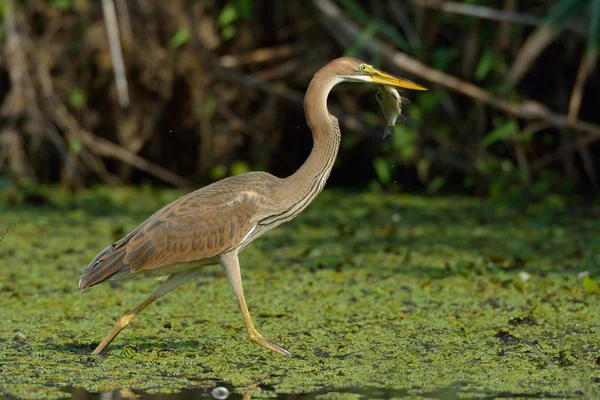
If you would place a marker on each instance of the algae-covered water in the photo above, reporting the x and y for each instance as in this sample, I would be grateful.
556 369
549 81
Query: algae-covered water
376 295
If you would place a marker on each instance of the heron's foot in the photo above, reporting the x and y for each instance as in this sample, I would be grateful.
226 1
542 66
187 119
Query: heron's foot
259 339
119 326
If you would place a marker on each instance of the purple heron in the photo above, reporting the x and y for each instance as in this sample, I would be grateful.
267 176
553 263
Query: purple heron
215 223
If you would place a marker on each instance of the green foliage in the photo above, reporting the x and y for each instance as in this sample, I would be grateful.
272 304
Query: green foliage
356 10
366 35
504 130
75 146
244 8
181 37
594 34
443 57
239 167
383 169
562 12
486 64
77 98
590 285
62 5
210 106
226 20
367 290
218 172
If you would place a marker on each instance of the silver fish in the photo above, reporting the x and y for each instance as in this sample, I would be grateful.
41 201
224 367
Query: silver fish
391 103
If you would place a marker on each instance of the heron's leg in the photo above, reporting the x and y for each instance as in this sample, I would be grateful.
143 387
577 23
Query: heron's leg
172 282
231 265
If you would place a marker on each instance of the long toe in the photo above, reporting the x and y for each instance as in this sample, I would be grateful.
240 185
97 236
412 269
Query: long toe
264 342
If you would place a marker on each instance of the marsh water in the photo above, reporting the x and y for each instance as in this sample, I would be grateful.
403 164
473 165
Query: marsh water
377 296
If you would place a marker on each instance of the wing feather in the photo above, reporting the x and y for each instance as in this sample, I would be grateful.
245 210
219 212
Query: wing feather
189 229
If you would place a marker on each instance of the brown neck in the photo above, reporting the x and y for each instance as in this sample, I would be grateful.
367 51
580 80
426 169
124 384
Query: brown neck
326 137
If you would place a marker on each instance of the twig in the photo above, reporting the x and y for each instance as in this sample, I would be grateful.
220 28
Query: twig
112 30
125 23
473 10
527 110
534 45
6 231
257 56
564 150
586 66
110 149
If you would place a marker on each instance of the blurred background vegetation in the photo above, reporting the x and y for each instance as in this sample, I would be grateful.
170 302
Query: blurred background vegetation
186 92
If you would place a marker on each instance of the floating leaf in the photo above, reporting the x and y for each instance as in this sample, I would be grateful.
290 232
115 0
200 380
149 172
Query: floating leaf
590 285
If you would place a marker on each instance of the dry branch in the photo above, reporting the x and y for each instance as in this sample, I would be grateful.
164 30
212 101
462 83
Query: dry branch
112 30
479 11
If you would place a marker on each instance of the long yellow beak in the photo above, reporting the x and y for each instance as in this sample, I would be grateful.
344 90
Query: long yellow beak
383 78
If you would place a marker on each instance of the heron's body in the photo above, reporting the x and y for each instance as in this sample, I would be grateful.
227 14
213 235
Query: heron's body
213 224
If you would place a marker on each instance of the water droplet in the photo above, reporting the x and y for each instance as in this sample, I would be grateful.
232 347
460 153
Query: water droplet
220 393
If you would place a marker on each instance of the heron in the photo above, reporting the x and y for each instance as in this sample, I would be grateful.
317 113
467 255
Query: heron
213 224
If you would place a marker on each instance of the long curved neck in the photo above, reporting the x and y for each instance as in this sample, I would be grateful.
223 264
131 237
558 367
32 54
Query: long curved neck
298 190
326 137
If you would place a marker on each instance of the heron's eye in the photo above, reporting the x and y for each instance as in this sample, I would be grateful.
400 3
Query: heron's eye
363 67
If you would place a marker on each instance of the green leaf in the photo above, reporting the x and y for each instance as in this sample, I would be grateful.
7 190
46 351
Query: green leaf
210 105
383 170
239 167
594 35
436 184
75 146
428 100
356 10
76 98
405 142
486 63
228 32
244 8
562 12
444 56
228 15
62 5
218 172
502 132
590 285
366 35
180 38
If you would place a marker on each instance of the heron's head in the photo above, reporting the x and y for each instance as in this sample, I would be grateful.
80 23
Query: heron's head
349 69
